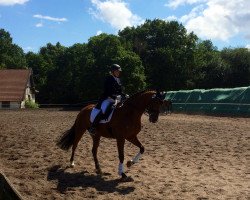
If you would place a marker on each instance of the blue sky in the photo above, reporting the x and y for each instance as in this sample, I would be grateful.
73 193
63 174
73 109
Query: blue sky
34 23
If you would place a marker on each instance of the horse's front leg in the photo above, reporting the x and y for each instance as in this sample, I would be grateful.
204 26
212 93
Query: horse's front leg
120 146
137 143
96 142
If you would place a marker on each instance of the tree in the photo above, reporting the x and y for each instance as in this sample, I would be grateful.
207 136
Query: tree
238 60
71 74
210 70
106 50
44 65
166 50
11 55
37 63
76 74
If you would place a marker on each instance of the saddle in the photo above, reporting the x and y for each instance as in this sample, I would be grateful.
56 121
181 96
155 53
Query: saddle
107 108
107 113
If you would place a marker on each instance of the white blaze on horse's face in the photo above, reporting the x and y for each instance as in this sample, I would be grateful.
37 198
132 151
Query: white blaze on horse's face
154 108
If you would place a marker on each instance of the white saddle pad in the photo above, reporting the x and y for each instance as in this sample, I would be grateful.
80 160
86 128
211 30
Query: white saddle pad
95 111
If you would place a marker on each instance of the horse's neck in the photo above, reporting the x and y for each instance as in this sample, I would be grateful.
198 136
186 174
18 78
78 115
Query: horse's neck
140 102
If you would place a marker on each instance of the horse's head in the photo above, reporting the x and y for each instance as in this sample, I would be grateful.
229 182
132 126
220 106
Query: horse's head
154 106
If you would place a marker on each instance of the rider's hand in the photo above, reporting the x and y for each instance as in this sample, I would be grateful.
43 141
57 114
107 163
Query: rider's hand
125 96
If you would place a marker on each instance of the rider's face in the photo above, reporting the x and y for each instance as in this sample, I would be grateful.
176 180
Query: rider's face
117 73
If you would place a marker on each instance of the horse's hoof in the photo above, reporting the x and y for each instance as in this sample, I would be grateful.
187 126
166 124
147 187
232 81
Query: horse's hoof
72 164
98 171
130 163
126 178
124 175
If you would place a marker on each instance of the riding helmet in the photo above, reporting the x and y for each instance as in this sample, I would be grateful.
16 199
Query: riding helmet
116 67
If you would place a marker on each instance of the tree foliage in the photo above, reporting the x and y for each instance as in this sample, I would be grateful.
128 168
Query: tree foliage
210 69
156 54
238 60
11 55
166 50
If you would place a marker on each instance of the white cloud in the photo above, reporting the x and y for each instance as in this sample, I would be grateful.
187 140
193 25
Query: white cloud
171 18
40 24
217 19
114 12
196 11
50 18
98 32
176 3
248 46
12 2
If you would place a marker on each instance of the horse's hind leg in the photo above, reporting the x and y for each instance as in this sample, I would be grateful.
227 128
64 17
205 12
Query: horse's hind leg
76 141
72 163
96 142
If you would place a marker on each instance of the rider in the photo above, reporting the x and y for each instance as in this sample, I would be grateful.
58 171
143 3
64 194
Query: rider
112 94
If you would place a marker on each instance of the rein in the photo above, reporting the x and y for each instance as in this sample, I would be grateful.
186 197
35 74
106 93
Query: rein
147 111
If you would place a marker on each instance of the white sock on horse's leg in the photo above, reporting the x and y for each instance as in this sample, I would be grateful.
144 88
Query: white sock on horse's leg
120 169
136 158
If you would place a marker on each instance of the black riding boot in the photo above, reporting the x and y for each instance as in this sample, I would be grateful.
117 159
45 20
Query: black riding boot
95 123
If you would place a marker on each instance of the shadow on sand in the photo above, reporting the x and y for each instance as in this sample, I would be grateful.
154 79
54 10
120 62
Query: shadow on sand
84 179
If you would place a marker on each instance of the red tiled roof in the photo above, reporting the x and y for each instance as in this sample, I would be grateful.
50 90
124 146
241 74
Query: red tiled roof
13 83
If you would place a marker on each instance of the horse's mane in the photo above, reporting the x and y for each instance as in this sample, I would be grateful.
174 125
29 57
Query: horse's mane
137 94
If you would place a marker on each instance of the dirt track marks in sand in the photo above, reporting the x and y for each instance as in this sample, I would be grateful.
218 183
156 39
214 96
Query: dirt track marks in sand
186 157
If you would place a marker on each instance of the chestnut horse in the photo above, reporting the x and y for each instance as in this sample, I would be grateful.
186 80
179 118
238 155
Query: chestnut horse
124 125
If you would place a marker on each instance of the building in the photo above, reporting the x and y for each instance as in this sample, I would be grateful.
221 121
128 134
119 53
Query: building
16 86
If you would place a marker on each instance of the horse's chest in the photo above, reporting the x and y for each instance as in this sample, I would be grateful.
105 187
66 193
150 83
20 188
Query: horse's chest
132 129
129 126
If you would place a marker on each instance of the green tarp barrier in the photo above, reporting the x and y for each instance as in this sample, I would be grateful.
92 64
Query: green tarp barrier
234 101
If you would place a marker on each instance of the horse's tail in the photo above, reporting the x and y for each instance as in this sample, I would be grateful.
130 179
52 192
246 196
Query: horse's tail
67 138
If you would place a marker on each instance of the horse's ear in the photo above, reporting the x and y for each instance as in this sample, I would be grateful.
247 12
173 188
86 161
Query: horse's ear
160 95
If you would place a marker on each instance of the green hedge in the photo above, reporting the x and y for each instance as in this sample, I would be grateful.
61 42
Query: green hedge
31 104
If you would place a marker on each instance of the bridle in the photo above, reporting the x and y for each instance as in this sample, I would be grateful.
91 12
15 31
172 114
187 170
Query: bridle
148 111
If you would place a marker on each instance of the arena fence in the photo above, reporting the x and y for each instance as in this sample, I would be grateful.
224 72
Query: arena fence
7 190
77 106
233 101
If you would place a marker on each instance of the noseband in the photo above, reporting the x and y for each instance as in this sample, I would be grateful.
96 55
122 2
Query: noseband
149 111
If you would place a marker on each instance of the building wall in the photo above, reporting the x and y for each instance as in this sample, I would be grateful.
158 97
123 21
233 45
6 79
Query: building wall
29 95
13 105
